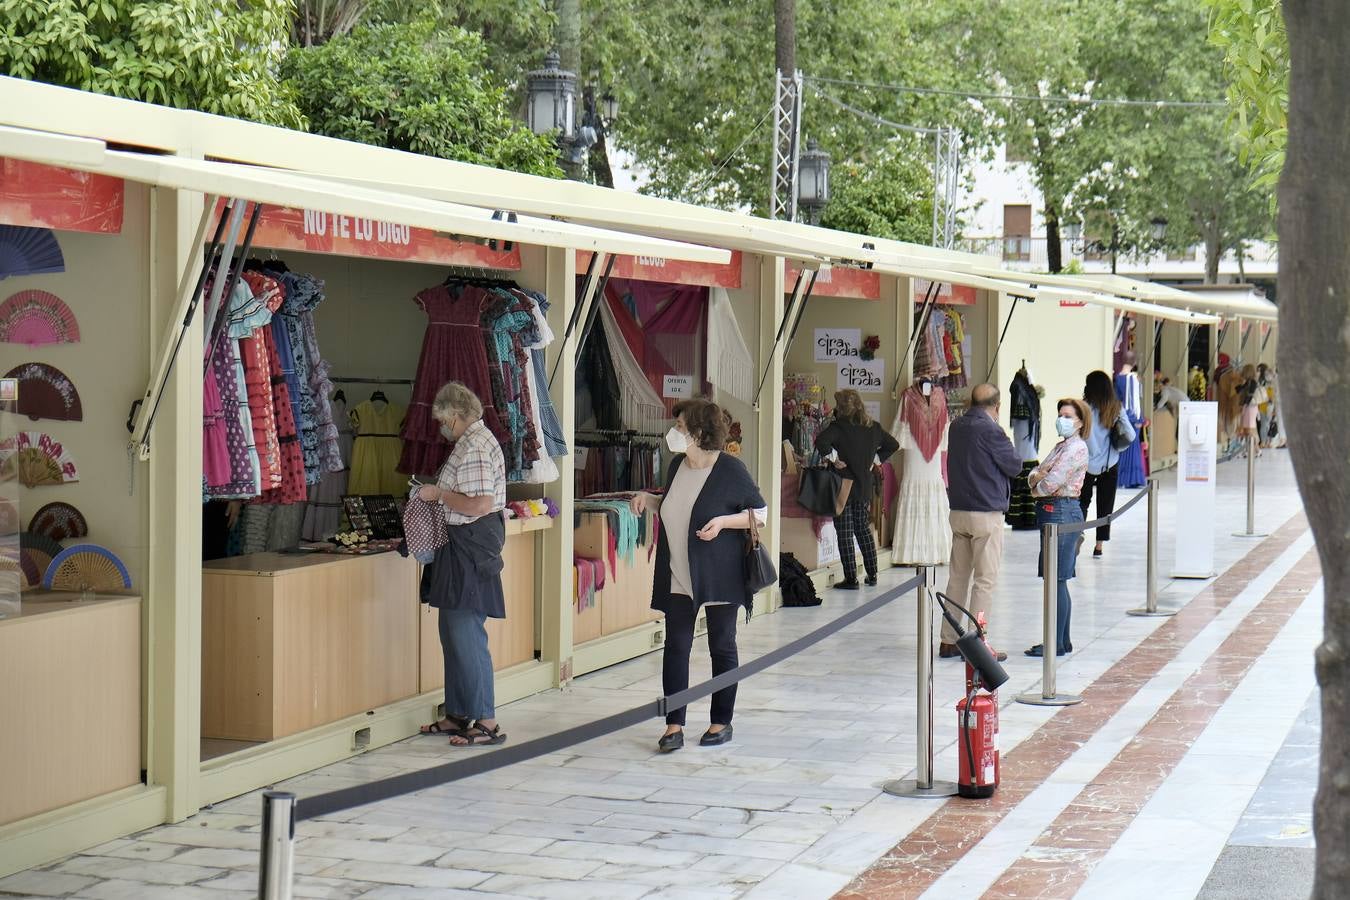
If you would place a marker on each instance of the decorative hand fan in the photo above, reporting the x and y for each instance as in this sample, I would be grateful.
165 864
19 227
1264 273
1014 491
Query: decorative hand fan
31 540
29 251
33 563
36 318
86 567
45 392
35 458
59 521
9 518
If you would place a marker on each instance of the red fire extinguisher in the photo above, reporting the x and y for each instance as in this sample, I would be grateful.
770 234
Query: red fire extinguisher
977 735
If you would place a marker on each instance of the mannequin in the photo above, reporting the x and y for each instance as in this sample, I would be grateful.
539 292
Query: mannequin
1025 413
1128 390
922 531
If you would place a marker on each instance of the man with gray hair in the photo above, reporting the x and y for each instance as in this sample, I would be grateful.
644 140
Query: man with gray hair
981 463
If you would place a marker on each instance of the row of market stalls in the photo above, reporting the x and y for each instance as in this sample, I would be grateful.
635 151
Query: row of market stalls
182 630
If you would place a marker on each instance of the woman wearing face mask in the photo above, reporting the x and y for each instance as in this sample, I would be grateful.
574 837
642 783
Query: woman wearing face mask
1105 409
700 554
464 582
1055 485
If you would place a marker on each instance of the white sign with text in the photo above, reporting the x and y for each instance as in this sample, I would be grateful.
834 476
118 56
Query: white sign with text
677 386
864 377
834 344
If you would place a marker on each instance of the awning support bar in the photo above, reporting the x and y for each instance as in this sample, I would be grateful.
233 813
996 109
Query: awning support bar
1266 340
1242 344
597 296
1006 322
576 313
221 316
214 303
139 419
801 292
929 297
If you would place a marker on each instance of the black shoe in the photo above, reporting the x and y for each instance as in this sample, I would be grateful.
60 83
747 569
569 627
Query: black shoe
1068 646
947 651
670 742
1039 651
849 585
870 581
711 739
1096 553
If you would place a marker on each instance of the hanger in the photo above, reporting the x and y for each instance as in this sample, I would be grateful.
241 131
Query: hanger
377 396
340 395
273 264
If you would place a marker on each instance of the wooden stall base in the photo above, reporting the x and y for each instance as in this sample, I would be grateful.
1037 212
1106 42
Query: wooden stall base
71 701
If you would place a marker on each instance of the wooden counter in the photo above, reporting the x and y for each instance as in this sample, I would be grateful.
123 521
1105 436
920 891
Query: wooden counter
626 600
511 640
291 642
71 701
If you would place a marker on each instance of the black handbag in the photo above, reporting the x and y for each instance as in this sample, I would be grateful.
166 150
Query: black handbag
759 570
818 489
1120 435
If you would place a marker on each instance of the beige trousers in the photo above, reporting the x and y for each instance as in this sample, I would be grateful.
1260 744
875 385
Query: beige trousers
977 554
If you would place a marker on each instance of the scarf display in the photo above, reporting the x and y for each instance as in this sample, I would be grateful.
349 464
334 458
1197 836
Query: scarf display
925 416
640 406
730 366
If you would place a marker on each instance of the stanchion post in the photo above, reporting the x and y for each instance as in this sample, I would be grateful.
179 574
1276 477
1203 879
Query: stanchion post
1251 491
922 784
276 873
1049 624
1150 607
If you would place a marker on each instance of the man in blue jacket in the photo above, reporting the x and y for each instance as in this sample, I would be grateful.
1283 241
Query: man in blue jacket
981 463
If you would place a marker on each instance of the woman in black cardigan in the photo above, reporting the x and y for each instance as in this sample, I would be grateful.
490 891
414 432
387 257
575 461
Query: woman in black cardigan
857 444
700 554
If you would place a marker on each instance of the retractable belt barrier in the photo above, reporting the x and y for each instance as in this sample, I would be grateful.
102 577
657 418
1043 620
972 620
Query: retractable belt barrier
283 810
1050 533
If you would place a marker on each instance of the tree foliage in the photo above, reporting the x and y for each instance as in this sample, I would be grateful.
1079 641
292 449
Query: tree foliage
191 54
884 195
1255 46
418 86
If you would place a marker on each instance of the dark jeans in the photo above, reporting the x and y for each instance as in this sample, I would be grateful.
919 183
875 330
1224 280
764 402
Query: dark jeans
469 679
721 646
1105 485
1061 510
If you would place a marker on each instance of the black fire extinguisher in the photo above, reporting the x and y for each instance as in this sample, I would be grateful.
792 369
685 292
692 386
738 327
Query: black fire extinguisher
977 712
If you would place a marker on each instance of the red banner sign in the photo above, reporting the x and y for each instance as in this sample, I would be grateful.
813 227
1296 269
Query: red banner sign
42 196
1073 304
670 271
840 281
948 294
290 228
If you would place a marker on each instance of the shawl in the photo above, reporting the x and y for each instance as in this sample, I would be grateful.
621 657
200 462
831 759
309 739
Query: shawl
925 416
730 366
639 404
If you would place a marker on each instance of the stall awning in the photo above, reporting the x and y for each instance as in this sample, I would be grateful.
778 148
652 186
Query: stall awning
1139 307
283 188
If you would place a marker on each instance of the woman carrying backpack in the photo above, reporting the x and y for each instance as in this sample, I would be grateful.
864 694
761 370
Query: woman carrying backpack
1111 433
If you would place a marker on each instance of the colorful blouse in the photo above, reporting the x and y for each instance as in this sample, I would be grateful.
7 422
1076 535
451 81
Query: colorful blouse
1062 472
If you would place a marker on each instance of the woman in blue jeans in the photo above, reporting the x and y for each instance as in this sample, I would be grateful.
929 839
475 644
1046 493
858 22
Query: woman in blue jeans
1055 485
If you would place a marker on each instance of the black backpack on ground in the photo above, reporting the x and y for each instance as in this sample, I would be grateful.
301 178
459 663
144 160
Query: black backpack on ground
795 582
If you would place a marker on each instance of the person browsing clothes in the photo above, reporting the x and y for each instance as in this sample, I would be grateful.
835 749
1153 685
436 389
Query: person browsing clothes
857 445
700 555
464 582
1099 392
981 464
1055 485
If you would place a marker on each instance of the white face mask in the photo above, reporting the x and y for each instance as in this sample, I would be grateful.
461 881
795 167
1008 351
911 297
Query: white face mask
1065 426
676 440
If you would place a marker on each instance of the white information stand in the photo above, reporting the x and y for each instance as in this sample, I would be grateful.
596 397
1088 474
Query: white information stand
1197 459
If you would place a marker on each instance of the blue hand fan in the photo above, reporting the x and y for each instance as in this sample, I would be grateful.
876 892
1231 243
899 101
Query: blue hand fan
29 251
86 567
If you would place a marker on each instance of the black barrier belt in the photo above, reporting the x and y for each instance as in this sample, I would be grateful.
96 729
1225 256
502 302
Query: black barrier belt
407 783
1097 523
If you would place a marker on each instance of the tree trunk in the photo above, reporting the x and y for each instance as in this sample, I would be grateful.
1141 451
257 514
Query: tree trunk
1213 255
601 171
1314 365
1054 255
785 35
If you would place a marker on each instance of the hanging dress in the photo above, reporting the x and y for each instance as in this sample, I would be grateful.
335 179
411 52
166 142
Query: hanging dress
1025 413
452 350
1131 473
375 449
323 518
922 513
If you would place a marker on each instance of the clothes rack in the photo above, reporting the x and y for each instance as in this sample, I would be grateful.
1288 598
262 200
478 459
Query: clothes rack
336 380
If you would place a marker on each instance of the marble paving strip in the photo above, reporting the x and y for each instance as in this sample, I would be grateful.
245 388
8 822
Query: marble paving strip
934 847
1062 858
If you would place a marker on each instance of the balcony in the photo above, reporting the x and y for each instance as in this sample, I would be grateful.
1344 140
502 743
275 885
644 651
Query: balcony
1017 248
1031 254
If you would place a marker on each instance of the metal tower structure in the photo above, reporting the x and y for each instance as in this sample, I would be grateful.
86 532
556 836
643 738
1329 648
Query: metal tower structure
946 178
787 145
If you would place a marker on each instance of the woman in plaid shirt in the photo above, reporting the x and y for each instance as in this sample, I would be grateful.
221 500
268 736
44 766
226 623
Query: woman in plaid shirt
464 583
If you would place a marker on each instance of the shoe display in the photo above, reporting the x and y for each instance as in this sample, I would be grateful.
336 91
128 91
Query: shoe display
670 742
711 739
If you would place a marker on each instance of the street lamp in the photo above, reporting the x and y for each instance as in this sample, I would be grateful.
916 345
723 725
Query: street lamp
813 181
1159 229
551 94
1073 231
609 106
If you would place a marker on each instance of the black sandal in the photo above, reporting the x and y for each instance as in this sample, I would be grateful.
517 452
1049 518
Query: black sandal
478 735
458 725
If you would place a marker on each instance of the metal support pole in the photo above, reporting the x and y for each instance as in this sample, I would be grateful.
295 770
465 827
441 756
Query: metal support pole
277 870
1049 624
922 784
1251 491
1150 607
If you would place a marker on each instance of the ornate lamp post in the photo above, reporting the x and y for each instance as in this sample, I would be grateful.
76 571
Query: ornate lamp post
813 182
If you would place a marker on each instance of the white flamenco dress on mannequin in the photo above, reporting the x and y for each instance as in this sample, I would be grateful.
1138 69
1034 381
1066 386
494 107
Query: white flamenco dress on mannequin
923 534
